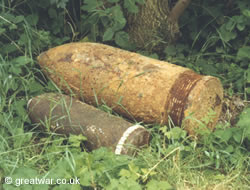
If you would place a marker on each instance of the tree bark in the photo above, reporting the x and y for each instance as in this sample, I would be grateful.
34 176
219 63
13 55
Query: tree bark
155 24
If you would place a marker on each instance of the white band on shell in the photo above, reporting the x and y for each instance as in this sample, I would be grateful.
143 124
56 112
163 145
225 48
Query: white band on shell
28 104
124 137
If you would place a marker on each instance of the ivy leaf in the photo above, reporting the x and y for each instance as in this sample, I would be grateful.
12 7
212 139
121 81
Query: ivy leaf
108 34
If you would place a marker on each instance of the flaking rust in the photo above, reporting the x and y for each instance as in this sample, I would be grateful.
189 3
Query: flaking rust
133 85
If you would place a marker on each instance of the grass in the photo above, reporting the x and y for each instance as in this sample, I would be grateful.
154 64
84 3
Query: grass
172 161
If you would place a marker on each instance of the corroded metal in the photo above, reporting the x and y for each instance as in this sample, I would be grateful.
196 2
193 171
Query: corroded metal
137 87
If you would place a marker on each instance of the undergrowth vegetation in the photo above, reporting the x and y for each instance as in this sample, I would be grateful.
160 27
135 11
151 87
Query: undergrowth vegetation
215 41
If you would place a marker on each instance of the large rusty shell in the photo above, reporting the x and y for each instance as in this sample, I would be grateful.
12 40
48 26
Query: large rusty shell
135 86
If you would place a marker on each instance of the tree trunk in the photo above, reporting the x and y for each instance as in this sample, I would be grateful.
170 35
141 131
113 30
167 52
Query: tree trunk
155 24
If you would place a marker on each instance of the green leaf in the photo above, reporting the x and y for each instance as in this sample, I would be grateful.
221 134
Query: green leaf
75 140
123 184
241 26
224 135
243 52
25 172
86 178
32 19
237 136
122 39
208 68
62 4
21 60
16 71
244 121
170 51
108 34
24 39
132 173
176 133
20 106
113 1
125 173
90 5
230 25
131 6
21 138
8 17
35 88
59 3
158 185
13 27
119 19
246 12
19 19
229 149
226 34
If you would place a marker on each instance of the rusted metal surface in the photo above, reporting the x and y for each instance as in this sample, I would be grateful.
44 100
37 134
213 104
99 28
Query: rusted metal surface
203 104
138 87
177 98
65 115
